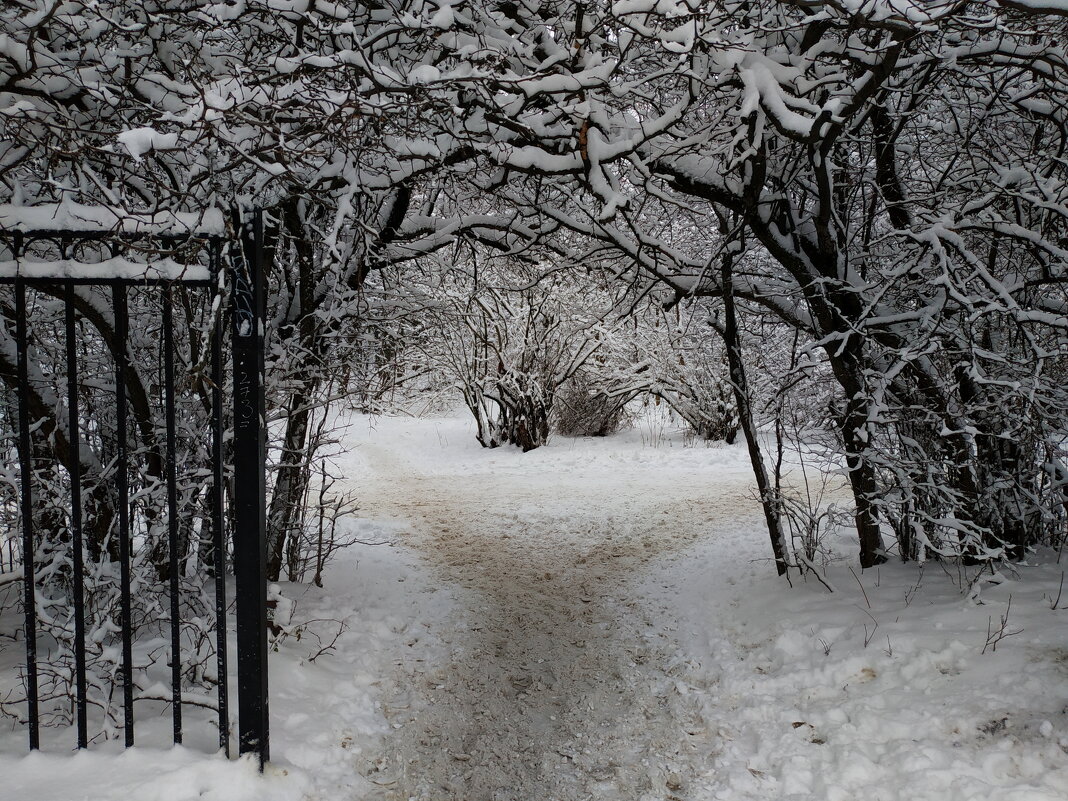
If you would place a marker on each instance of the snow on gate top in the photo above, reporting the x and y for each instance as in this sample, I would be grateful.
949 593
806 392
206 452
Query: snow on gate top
117 268
78 218
75 218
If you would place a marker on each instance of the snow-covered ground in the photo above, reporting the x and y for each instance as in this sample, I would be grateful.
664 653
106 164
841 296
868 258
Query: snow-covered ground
598 619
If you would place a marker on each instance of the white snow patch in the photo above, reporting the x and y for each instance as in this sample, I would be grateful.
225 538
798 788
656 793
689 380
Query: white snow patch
140 141
77 217
599 618
424 73
118 267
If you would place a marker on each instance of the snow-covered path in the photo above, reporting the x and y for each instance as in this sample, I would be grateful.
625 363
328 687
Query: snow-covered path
598 620
557 684
615 631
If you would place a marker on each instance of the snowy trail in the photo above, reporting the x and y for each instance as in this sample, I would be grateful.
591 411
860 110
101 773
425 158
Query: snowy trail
557 685
598 620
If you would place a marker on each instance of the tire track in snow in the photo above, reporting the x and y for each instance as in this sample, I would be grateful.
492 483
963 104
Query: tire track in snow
556 686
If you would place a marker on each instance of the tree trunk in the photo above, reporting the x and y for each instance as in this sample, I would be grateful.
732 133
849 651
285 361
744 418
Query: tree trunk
288 496
768 497
847 363
286 511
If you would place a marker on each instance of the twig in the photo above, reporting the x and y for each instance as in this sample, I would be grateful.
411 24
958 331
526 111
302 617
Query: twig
812 569
868 637
911 592
851 570
329 646
996 635
1060 589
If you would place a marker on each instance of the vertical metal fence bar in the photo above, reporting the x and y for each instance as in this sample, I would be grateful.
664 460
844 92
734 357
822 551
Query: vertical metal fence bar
250 557
218 533
26 482
74 468
249 497
172 514
122 482
247 313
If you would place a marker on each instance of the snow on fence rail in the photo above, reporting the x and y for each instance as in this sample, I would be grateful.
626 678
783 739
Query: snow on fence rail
77 218
114 268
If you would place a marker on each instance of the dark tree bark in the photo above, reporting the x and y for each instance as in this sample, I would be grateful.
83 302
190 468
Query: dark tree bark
768 497
285 512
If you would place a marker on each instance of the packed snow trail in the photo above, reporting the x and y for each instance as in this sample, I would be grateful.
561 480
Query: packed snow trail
557 684
598 620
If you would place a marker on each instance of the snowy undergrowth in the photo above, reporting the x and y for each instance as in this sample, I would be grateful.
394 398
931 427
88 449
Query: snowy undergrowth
890 688
598 619
325 676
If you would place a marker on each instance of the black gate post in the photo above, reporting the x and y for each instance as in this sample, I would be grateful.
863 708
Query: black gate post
250 504
29 557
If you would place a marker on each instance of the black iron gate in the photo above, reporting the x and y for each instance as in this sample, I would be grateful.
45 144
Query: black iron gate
172 254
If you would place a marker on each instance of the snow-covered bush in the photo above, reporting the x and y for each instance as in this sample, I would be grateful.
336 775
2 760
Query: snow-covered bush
509 348
584 408
688 370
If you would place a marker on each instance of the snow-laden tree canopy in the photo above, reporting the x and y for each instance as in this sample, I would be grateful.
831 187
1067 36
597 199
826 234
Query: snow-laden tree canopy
885 176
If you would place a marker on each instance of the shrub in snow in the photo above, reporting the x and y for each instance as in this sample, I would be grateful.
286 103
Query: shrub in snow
689 371
584 409
510 350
